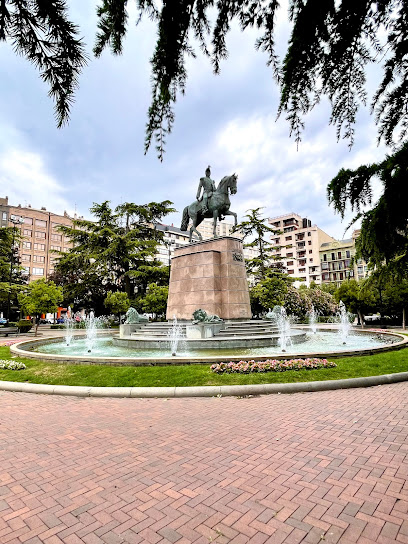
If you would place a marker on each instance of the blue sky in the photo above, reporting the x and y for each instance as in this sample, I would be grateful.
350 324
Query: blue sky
227 121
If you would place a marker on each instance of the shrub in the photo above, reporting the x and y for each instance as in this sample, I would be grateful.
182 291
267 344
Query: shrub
24 325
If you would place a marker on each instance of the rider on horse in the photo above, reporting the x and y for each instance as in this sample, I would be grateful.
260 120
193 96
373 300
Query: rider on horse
208 186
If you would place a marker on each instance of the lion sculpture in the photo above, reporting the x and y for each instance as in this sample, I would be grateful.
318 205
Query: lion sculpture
133 317
201 316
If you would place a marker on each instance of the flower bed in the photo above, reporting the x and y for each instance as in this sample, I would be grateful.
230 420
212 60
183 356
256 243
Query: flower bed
12 365
271 365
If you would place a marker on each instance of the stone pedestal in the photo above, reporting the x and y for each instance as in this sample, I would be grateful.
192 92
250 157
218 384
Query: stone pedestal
203 330
209 275
127 328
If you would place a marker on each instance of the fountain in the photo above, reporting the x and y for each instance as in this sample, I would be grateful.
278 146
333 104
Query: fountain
91 325
278 315
313 315
175 334
69 327
345 325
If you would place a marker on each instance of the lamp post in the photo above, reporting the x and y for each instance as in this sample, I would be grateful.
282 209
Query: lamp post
169 244
15 221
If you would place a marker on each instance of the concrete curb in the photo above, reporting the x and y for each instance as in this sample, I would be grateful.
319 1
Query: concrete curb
202 391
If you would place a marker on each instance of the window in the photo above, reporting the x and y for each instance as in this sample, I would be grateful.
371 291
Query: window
4 216
28 220
38 258
333 257
56 248
289 255
26 269
339 254
309 242
335 276
348 254
301 244
290 263
302 269
325 257
291 271
28 232
288 238
40 235
40 247
25 257
310 251
310 260
40 223
38 271
56 237
55 225
341 275
309 234
27 245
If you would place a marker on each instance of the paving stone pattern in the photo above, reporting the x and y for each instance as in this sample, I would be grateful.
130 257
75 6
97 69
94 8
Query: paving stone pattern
314 467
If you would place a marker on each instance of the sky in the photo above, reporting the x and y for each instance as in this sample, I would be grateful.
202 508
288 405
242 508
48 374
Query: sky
226 121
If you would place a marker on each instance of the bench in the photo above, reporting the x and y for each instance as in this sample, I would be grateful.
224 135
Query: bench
5 331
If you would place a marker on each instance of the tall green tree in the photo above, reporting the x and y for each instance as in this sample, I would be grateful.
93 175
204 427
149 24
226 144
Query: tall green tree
254 227
359 298
155 300
40 297
12 275
118 303
114 252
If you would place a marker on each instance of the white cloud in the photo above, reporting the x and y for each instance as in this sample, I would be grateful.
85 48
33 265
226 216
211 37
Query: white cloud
25 180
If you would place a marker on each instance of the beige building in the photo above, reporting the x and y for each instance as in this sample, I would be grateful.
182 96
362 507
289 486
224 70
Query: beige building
298 246
40 237
337 261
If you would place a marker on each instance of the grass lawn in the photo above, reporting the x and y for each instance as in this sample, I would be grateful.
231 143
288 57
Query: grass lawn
193 375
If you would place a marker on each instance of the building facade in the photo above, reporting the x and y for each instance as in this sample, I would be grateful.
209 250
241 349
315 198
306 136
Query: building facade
298 246
40 237
337 261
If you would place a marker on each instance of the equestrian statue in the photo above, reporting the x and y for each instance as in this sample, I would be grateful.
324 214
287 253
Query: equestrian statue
213 203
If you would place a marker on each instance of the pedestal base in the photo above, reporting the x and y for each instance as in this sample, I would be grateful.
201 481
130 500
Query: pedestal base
209 275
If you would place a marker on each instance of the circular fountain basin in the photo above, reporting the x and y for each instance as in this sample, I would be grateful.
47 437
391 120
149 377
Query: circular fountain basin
326 343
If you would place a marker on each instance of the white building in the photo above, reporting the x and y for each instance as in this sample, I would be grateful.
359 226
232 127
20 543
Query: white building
298 246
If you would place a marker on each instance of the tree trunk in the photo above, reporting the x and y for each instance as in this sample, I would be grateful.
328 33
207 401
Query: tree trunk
403 318
37 322
361 318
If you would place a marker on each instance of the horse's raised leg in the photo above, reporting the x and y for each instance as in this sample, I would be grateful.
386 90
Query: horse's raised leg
229 212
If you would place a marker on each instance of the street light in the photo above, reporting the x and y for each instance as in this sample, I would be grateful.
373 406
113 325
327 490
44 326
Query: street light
15 221
170 243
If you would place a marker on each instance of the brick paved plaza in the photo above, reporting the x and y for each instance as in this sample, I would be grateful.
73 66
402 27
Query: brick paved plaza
311 467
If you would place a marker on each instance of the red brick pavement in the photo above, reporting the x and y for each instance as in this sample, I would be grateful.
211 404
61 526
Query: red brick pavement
314 467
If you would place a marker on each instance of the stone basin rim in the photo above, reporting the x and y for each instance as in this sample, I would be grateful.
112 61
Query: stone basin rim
21 349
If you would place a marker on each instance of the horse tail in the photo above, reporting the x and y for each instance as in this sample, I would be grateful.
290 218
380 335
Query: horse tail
184 221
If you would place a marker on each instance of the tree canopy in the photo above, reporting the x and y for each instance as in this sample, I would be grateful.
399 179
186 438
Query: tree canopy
116 251
330 46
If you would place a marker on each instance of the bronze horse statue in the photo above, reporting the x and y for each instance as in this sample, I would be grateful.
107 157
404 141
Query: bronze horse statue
218 207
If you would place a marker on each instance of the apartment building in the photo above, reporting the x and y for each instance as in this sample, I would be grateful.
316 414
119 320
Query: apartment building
40 237
297 244
337 261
